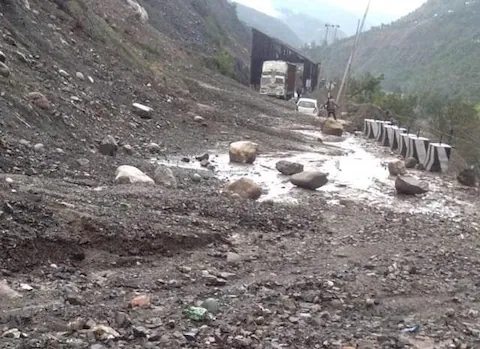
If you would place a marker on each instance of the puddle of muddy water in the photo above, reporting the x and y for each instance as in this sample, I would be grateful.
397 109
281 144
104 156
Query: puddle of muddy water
360 174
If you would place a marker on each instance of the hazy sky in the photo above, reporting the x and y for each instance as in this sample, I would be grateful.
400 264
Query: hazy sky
391 9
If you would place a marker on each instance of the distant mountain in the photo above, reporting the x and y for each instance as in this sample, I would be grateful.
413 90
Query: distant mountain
309 29
436 47
322 10
269 25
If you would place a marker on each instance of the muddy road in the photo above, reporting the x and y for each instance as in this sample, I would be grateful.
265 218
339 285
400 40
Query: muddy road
89 264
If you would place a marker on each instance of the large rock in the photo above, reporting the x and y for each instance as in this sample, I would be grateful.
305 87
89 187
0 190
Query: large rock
165 177
397 168
410 186
244 152
39 100
4 70
288 168
154 148
108 146
309 180
129 175
411 163
332 127
246 188
142 110
467 177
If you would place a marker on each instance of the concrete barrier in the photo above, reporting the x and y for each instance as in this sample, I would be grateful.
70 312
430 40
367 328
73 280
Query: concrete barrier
381 129
438 157
397 131
368 128
388 135
403 146
417 148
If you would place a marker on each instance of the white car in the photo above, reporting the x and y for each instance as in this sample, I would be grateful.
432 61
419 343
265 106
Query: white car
307 106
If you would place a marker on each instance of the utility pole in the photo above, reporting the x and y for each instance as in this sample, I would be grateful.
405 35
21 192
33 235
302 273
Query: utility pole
335 35
326 33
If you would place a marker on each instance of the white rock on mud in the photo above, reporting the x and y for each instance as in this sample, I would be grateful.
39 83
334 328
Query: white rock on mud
244 152
131 175
142 110
139 10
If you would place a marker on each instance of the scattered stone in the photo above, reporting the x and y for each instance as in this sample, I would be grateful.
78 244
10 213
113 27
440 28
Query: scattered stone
142 110
108 146
198 118
6 292
154 148
122 319
205 163
130 175
309 180
467 177
142 301
80 76
64 73
39 148
411 163
3 57
370 302
103 333
140 332
4 70
410 186
233 258
14 333
244 152
332 127
164 176
25 143
82 162
203 157
22 58
397 168
245 188
77 325
26 287
185 160
196 178
212 305
288 168
39 100
127 149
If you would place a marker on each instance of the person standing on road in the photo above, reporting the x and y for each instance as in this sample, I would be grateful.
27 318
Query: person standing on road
331 106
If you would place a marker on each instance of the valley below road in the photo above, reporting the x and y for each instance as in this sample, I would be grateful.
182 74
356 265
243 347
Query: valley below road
87 263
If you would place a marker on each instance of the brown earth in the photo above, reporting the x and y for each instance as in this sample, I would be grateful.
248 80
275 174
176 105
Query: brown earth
78 248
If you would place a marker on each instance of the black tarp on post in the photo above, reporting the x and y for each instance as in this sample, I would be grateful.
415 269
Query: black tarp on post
266 48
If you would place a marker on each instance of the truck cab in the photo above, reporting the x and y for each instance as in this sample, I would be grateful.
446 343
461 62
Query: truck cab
278 79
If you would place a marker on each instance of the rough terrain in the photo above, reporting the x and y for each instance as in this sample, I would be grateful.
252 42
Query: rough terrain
76 248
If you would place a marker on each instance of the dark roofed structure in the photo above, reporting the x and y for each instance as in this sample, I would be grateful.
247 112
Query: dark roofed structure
266 48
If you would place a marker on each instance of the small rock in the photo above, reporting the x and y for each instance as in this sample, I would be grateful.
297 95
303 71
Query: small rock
212 305
103 333
186 160
245 188
191 335
3 57
233 258
450 312
370 302
108 146
154 148
196 178
204 163
39 100
77 324
13 334
288 168
80 76
82 162
127 149
39 148
397 168
244 152
467 177
410 186
140 332
198 118
411 163
64 73
122 319
97 346
26 287
21 57
142 110
164 176
130 175
142 301
74 299
6 292
4 70
309 180
25 143
203 157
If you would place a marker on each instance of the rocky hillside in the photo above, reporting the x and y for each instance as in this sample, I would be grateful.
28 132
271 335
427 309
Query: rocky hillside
271 26
435 47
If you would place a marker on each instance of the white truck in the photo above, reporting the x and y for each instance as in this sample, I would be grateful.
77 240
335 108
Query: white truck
278 79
